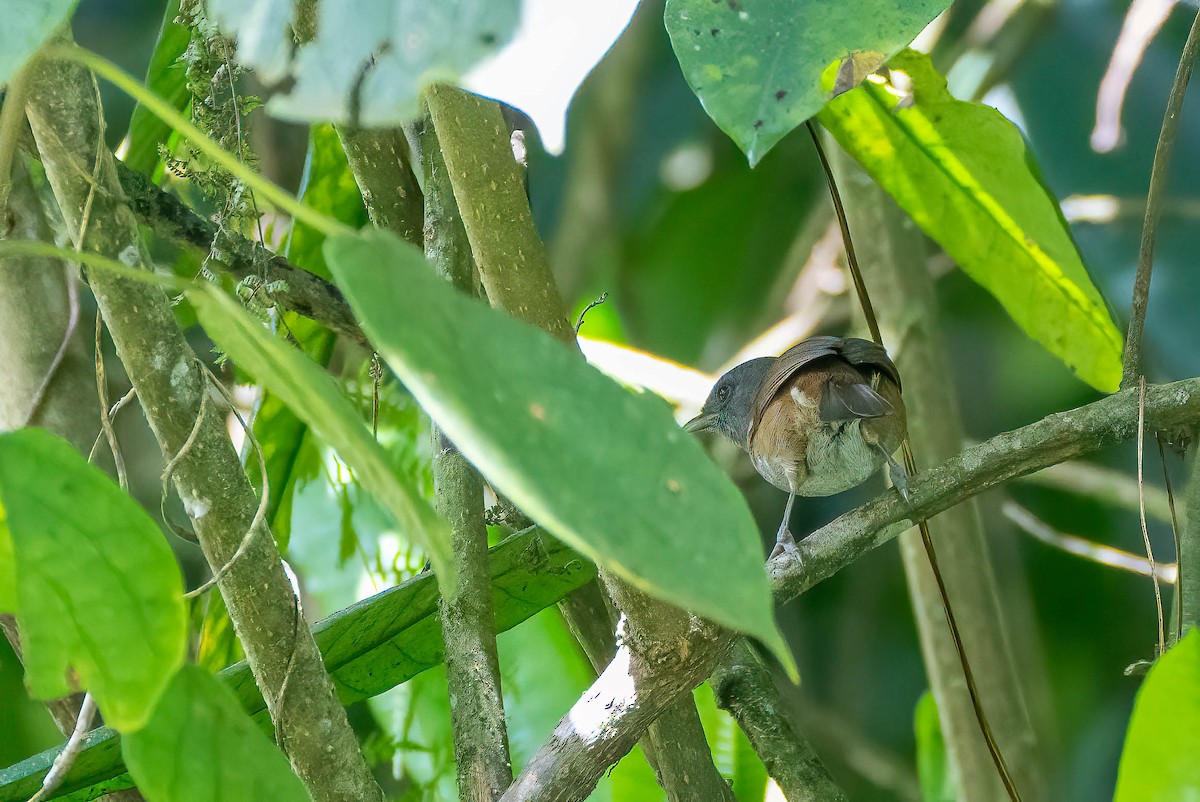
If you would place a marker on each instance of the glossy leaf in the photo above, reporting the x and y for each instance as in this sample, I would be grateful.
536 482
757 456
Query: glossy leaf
313 395
98 590
756 65
27 24
963 173
1158 762
200 745
603 469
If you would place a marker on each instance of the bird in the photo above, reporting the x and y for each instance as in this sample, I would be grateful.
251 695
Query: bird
820 418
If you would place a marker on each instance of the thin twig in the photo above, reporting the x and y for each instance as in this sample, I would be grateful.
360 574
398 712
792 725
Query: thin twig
1154 197
1098 553
579 323
68 335
910 465
1162 458
1141 432
106 425
117 407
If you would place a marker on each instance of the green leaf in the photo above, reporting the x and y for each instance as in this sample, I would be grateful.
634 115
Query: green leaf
27 24
963 173
8 567
200 745
368 648
1159 762
314 396
933 770
605 470
167 78
756 65
98 589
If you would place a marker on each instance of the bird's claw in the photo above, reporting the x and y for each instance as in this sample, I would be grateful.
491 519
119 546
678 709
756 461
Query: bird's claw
785 544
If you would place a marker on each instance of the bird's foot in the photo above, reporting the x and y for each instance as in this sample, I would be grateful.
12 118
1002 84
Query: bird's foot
899 478
785 544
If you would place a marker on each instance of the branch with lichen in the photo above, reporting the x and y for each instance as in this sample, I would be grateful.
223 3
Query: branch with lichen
66 120
609 717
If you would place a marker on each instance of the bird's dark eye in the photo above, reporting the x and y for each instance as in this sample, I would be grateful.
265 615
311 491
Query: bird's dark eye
722 393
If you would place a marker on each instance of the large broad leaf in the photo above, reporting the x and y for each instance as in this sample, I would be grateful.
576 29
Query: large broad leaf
370 61
603 469
201 745
26 25
8 567
963 173
314 396
1158 763
99 594
756 65
368 648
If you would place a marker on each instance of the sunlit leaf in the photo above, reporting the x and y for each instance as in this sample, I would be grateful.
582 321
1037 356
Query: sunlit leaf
26 25
604 469
963 173
756 65
933 770
98 589
313 395
8 568
1158 763
200 745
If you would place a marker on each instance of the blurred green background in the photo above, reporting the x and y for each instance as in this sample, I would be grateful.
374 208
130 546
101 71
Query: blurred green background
699 254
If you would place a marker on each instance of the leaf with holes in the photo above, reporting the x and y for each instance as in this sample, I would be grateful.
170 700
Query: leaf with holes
99 595
605 470
963 173
756 65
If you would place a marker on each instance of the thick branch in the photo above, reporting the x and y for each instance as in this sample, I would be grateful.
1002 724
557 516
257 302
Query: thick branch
66 120
513 267
744 687
380 163
481 753
609 717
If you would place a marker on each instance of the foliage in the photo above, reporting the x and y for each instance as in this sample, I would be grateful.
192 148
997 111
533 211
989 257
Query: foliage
700 253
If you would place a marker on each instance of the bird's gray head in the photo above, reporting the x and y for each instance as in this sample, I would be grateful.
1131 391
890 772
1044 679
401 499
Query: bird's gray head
731 402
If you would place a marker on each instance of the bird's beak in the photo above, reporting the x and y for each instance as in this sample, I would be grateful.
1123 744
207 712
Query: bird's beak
704 422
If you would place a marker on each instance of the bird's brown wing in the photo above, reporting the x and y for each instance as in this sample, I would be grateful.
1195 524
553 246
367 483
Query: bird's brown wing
858 352
868 354
786 365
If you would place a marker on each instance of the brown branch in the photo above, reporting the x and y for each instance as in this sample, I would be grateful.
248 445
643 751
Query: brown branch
1158 181
609 717
745 688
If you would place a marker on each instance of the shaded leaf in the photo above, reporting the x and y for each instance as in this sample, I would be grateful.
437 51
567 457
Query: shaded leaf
98 589
313 395
26 26
606 470
963 173
167 78
368 648
200 745
1159 762
756 65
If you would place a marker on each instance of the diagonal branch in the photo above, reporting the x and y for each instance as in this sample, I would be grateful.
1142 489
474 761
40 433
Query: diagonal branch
606 721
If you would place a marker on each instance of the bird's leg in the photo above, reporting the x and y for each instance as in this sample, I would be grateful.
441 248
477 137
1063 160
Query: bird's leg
784 542
898 474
